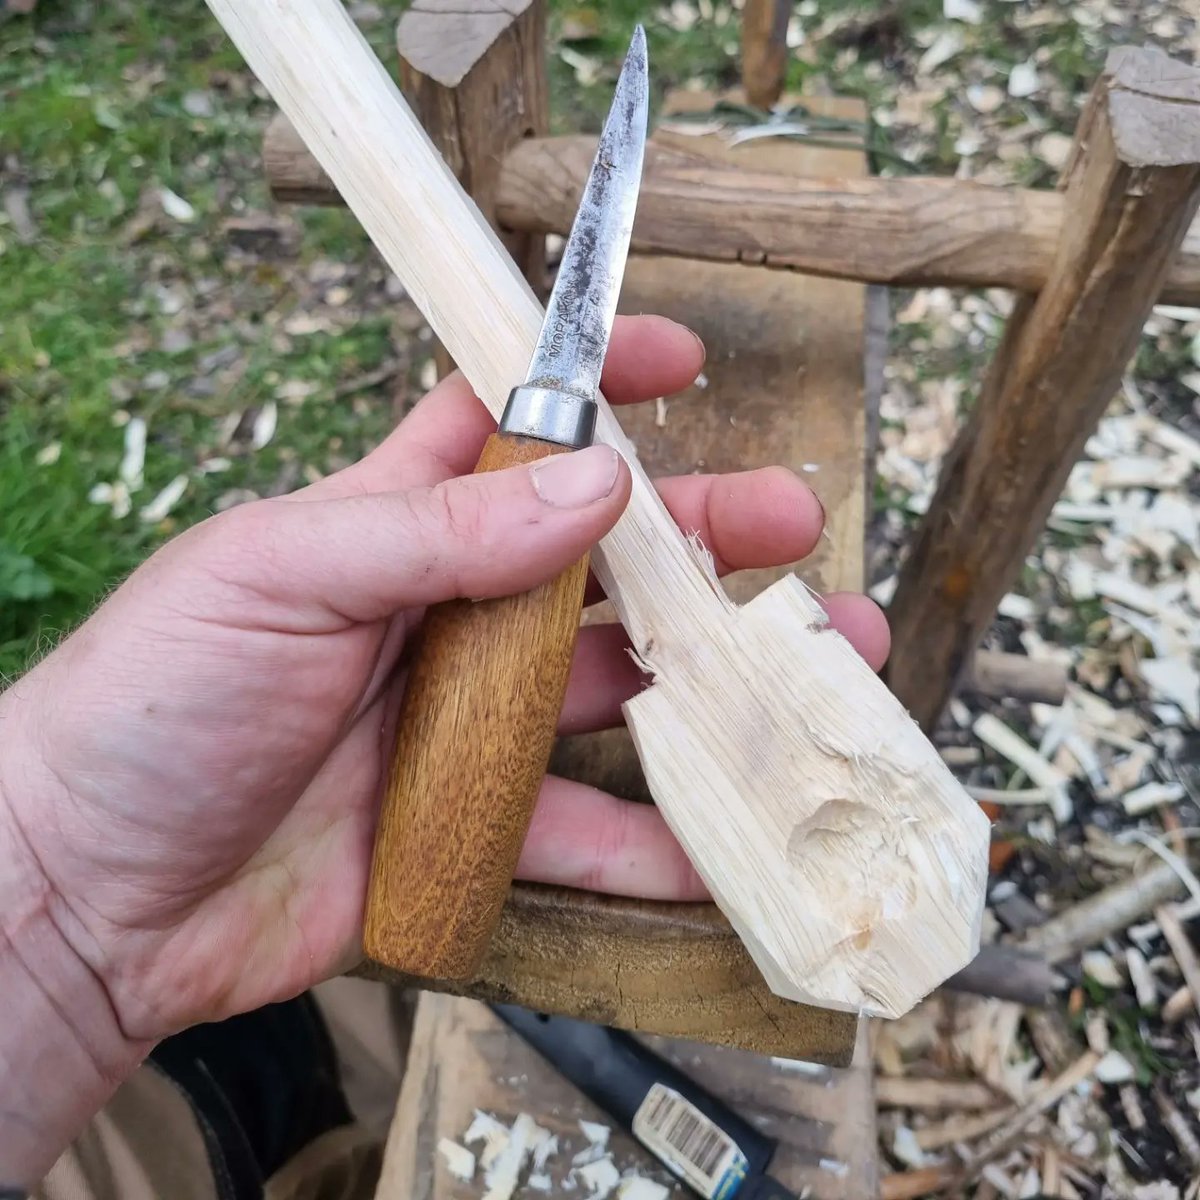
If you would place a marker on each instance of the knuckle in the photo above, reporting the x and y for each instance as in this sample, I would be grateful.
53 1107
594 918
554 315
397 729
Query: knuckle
245 541
460 510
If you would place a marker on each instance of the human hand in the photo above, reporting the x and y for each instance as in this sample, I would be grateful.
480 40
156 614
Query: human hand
193 776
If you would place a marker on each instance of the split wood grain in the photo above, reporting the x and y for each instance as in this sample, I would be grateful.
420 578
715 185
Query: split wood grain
935 1095
476 727
904 232
1132 189
841 849
650 967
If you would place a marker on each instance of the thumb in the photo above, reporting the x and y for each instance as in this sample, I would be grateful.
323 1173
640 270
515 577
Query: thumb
497 533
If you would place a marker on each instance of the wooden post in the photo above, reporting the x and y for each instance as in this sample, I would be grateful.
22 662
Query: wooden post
1131 189
475 75
764 50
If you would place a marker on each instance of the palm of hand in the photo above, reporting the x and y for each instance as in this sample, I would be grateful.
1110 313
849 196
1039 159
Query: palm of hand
217 839
207 779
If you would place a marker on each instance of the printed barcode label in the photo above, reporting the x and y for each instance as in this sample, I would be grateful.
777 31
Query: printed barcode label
697 1150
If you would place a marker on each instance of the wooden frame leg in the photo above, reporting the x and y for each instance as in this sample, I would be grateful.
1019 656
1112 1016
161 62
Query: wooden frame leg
1132 187
764 50
476 77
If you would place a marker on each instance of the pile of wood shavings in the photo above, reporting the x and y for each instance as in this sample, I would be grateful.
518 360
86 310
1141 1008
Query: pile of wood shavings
1099 1089
1096 1092
518 1160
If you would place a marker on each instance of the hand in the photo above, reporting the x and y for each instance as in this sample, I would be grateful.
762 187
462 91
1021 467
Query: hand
195 773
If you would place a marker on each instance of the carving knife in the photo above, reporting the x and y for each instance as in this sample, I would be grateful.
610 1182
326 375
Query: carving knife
485 688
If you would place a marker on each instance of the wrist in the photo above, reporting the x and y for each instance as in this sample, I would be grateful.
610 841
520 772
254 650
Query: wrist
62 1050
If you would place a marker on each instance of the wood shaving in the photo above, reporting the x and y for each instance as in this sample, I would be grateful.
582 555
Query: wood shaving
162 504
1142 978
1099 966
460 1162
133 461
264 426
600 1177
176 207
1177 680
495 1136
1150 796
638 1187
597 1136
1004 741
1114 1067
1023 80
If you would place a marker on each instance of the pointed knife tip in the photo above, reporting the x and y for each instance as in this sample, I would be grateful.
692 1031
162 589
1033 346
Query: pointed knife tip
637 45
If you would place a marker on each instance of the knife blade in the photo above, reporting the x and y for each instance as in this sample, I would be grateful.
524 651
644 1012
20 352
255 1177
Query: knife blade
558 399
486 685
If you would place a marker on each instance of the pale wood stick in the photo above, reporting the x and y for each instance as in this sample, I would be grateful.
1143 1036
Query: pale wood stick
1011 795
962 1129
1178 1126
1131 189
844 853
920 232
1017 677
1181 947
934 1095
910 1185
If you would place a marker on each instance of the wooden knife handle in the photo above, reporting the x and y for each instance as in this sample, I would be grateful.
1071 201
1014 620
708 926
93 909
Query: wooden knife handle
476 728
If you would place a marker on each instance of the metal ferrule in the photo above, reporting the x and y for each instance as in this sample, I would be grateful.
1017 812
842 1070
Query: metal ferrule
549 415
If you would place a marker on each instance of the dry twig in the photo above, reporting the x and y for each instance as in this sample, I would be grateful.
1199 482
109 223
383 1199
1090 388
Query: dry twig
1178 1126
1011 1130
1109 911
1181 947
934 1095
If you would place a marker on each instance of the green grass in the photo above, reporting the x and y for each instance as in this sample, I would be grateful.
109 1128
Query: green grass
92 114
98 112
